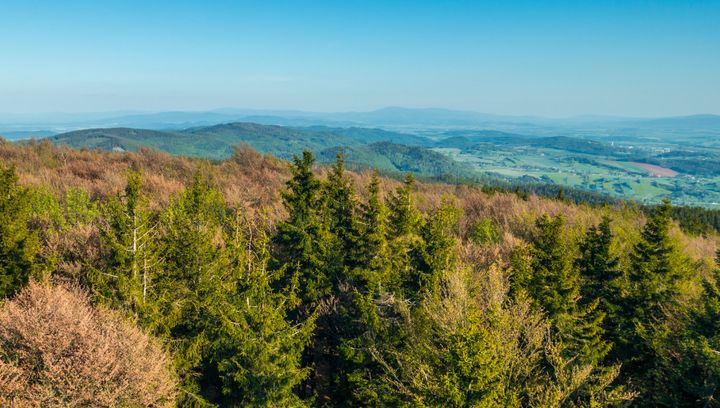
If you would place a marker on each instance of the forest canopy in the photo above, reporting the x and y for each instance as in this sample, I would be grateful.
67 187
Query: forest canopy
257 282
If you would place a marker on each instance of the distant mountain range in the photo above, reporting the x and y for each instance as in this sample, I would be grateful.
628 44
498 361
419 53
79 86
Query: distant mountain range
392 118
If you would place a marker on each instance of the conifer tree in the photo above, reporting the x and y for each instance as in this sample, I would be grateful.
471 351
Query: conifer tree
311 244
373 251
554 284
341 207
131 237
652 274
304 240
404 223
687 371
599 290
404 217
598 267
192 283
437 253
18 243
648 321
256 348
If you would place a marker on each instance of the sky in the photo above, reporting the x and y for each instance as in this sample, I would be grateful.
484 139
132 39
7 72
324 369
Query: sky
544 58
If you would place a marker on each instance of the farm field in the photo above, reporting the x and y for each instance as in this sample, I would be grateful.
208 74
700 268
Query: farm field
642 182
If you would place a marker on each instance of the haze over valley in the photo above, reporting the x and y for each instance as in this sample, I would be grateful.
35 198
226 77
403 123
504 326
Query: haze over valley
640 159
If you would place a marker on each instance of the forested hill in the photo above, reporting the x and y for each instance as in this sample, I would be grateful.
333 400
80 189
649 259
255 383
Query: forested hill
366 148
217 141
253 281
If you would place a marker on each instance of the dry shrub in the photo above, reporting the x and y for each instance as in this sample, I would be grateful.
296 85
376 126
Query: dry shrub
59 351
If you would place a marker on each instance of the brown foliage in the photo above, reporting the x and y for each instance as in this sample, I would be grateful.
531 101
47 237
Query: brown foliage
252 181
57 351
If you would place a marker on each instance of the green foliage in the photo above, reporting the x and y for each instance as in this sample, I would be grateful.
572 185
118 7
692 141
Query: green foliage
546 271
652 275
396 159
304 241
200 279
437 252
130 236
256 348
650 317
341 208
554 283
485 232
600 292
597 266
373 248
404 217
687 364
18 242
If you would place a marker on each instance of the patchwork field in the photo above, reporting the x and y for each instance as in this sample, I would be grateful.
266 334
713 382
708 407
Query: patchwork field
642 182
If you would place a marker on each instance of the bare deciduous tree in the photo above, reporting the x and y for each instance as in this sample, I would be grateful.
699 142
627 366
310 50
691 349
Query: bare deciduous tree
56 349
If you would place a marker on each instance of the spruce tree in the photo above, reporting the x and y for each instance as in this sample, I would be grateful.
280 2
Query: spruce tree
554 284
256 347
304 242
18 243
648 321
404 217
404 223
193 285
130 235
436 255
600 295
342 208
652 274
598 267
310 250
688 362
373 250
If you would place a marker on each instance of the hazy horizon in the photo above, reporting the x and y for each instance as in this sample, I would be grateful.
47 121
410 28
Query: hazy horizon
240 111
557 59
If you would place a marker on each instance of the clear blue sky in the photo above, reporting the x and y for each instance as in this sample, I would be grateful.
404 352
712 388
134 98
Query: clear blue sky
646 58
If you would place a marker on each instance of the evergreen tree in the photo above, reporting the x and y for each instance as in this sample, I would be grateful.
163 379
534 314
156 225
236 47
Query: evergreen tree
131 238
437 252
600 296
256 348
648 322
688 362
554 284
597 267
373 251
341 207
312 244
404 223
18 243
653 276
304 241
192 286
404 217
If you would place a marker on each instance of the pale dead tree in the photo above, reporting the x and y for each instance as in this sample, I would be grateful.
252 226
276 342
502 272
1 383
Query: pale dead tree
57 350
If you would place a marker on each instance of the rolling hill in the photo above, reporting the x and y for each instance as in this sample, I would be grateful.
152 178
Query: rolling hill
390 152
215 142
394 158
